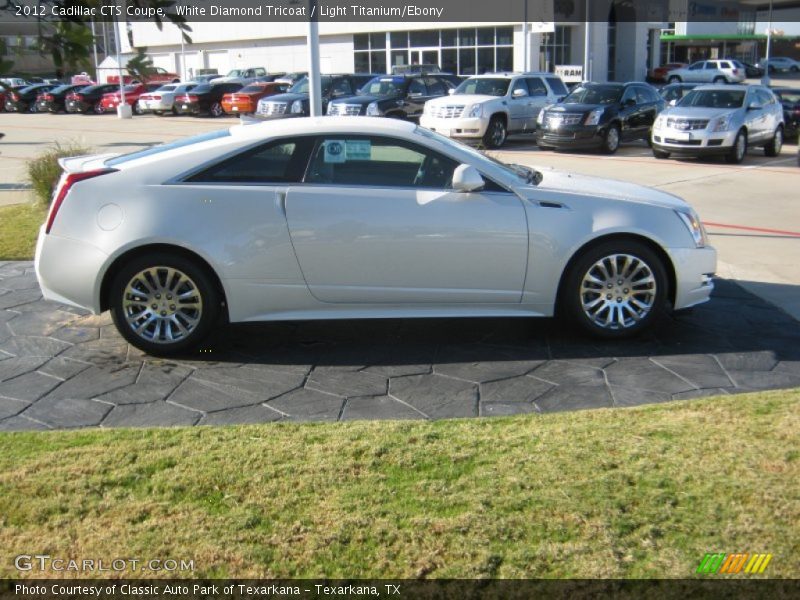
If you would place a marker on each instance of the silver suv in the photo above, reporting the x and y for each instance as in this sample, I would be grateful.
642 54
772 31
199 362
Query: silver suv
709 71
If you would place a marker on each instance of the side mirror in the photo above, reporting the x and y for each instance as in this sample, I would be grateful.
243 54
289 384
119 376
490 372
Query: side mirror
754 106
629 102
673 102
467 179
451 91
518 93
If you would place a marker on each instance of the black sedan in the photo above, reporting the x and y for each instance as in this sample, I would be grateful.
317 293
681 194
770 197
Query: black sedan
89 98
600 115
24 100
205 99
295 102
54 100
790 98
394 96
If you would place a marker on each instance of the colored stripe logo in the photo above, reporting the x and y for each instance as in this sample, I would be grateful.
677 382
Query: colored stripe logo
719 562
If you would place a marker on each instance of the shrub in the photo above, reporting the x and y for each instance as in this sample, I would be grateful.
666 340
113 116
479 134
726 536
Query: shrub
44 171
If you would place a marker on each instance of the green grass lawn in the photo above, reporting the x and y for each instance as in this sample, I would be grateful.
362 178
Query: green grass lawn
642 492
19 226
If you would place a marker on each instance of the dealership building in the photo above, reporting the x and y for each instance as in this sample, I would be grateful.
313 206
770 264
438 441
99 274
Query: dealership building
621 48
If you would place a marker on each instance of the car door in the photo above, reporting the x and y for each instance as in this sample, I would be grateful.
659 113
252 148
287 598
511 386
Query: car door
537 100
376 221
415 98
630 114
648 101
694 72
518 108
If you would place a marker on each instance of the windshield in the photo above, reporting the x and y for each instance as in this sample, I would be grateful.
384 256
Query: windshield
383 86
595 94
234 73
167 88
63 88
202 88
301 87
484 86
130 88
713 99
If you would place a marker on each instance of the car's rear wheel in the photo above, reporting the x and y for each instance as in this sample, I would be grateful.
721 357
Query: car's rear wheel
216 110
775 146
163 304
98 108
660 154
674 79
611 139
496 133
616 289
720 79
739 149
137 110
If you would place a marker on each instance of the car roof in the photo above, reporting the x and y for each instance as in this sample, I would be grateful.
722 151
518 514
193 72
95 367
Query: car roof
510 74
728 86
321 125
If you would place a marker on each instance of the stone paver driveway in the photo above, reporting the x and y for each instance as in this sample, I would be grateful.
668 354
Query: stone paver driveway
61 368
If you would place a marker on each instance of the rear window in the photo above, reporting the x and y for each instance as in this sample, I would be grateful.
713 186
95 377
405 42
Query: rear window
725 64
182 143
202 88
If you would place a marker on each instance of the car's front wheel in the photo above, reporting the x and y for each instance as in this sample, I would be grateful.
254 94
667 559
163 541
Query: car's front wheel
775 146
616 289
611 140
163 304
496 133
137 110
739 149
98 108
660 154
720 79
674 79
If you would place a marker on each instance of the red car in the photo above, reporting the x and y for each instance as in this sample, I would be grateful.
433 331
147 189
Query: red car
111 100
660 73
159 76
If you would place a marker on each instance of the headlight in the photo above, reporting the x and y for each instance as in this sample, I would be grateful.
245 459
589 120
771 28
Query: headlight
330 106
540 116
373 110
427 109
722 123
476 110
695 227
594 116
297 107
661 121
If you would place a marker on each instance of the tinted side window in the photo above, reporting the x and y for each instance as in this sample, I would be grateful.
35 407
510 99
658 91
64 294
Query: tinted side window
416 87
341 87
725 64
630 93
436 87
710 65
696 66
536 87
378 161
281 161
557 86
519 84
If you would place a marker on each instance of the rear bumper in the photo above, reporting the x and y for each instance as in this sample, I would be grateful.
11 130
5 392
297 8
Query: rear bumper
694 270
68 271
153 105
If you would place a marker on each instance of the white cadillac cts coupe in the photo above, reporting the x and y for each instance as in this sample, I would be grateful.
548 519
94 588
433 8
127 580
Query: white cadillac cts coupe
343 217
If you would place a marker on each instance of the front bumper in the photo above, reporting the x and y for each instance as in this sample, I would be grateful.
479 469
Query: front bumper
462 127
693 143
69 271
571 136
694 271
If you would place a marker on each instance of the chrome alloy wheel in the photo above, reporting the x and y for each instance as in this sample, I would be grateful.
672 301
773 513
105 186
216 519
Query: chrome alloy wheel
498 133
741 147
618 291
162 305
612 139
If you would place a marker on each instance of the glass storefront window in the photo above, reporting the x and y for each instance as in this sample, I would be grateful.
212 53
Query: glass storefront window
399 39
466 60
377 41
505 59
361 62
485 60
505 36
448 37
399 57
361 41
466 37
378 61
450 61
486 36
424 38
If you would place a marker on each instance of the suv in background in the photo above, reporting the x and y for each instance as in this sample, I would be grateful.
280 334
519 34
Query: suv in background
296 103
709 71
600 115
489 107
242 76
394 96
780 63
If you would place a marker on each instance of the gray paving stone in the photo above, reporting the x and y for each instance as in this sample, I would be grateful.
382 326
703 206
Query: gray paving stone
65 413
703 393
28 387
576 397
16 366
99 352
700 369
20 423
34 346
436 396
20 282
564 372
246 414
200 395
644 374
505 409
259 382
483 362
748 361
157 414
334 380
10 407
400 370
43 323
377 407
627 397
19 298
63 368
517 389
96 381
76 335
761 380
308 405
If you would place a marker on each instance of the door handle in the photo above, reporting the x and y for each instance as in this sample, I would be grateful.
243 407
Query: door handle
280 202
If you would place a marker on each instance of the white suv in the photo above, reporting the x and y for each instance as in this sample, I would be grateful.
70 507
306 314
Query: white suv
489 107
709 71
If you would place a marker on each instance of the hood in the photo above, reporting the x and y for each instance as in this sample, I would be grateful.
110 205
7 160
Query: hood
577 107
465 99
287 98
561 181
364 99
697 112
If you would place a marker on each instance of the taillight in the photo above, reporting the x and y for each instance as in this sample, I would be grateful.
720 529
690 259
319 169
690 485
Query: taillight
155 97
65 183
14 96
49 97
190 98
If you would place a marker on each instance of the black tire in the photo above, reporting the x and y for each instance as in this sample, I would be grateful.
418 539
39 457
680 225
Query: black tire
611 139
774 147
158 113
136 109
98 108
207 292
215 110
660 155
496 133
720 79
653 295
794 69
674 79
737 153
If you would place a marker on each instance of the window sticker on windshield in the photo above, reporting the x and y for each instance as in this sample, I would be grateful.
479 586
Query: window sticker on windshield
334 151
358 150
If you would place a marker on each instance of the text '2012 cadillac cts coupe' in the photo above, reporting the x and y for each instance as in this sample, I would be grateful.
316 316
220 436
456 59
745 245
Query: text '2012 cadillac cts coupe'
351 217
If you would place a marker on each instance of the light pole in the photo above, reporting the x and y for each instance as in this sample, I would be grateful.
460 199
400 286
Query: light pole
314 91
765 78
124 111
